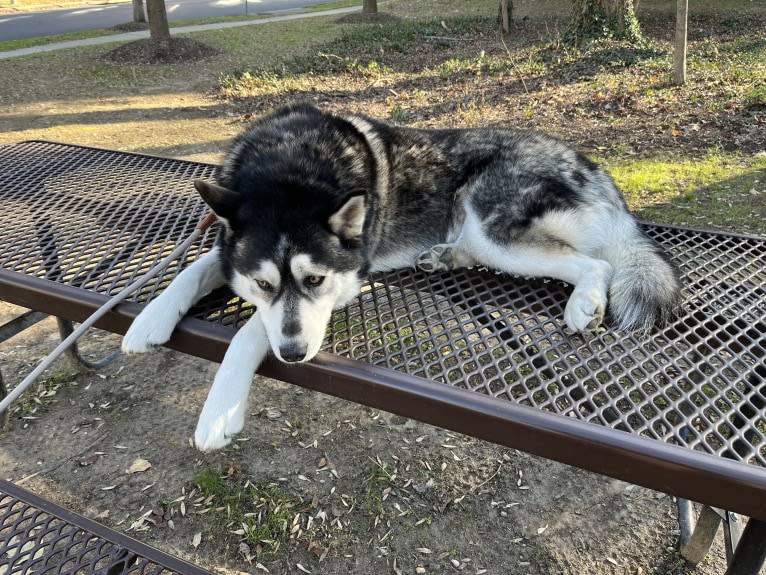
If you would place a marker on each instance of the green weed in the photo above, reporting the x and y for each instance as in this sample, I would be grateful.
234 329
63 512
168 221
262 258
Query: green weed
398 115
260 515
380 475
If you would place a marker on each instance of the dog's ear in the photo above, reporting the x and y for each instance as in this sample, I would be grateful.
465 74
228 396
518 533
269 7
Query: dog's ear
222 201
348 221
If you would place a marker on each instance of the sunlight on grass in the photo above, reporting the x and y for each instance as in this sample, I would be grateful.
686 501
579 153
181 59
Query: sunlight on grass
722 190
650 180
267 47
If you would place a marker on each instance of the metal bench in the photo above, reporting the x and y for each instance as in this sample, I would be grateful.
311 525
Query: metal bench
680 411
37 536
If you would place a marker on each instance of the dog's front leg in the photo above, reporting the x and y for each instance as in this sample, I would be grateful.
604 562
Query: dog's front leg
156 322
223 414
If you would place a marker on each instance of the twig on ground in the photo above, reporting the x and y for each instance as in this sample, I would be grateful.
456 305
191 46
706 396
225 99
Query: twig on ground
61 462
513 63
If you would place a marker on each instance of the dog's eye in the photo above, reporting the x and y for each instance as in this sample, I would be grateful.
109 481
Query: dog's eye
264 285
314 281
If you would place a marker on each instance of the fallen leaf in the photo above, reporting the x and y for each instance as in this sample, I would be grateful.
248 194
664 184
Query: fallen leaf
138 466
244 549
317 550
197 539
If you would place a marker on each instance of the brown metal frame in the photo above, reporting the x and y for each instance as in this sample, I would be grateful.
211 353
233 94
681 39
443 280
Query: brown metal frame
39 536
668 468
431 347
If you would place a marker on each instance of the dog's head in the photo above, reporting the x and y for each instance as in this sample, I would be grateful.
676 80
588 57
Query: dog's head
295 258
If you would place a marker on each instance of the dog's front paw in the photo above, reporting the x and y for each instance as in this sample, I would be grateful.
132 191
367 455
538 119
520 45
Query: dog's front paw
151 328
215 428
585 310
437 259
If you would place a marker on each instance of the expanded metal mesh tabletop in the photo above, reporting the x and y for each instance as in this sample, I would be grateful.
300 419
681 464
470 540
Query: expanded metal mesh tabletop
681 410
37 536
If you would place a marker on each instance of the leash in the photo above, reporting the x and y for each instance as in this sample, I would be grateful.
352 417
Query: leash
201 227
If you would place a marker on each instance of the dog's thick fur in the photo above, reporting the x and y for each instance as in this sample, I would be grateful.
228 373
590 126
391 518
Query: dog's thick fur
309 202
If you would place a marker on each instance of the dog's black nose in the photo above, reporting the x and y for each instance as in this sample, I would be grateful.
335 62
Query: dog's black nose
292 352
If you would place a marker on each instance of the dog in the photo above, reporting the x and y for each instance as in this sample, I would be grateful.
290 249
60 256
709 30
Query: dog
309 202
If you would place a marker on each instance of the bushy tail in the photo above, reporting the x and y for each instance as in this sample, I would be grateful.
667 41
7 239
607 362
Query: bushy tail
645 290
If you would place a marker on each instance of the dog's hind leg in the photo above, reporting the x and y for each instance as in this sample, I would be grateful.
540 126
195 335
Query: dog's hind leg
537 253
223 414
156 322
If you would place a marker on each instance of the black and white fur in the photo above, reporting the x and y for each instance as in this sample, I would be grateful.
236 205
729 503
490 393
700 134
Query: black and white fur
309 202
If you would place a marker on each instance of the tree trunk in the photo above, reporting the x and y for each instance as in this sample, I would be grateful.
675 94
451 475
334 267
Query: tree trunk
504 16
679 53
604 18
158 20
138 11
369 6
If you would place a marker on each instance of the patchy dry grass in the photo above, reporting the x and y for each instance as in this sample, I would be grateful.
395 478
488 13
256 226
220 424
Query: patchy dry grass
260 516
667 145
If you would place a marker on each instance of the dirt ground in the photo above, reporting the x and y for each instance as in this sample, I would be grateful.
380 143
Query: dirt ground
370 492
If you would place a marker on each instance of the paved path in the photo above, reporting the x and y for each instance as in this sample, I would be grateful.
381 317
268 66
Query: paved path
131 36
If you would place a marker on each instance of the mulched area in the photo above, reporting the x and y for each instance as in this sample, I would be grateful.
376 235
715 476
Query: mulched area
361 18
171 51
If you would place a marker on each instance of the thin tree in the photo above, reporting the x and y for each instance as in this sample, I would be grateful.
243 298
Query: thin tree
679 53
138 11
158 20
369 6
505 16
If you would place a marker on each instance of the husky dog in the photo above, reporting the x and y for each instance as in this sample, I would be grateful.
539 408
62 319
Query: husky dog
309 202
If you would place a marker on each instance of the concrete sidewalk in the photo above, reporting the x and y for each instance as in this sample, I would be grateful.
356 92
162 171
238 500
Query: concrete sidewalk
131 36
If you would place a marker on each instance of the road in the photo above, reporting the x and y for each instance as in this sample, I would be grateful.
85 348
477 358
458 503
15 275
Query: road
94 17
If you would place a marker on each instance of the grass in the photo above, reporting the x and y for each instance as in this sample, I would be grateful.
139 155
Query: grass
8 45
260 515
721 189
332 5
379 476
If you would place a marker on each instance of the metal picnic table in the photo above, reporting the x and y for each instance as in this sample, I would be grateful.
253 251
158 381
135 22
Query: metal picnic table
485 354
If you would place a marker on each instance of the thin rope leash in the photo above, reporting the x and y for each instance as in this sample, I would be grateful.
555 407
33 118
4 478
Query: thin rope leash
201 227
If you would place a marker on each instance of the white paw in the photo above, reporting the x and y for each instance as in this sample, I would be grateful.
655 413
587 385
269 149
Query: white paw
151 328
585 310
216 427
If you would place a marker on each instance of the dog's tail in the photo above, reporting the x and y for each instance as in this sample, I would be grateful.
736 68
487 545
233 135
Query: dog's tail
645 289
